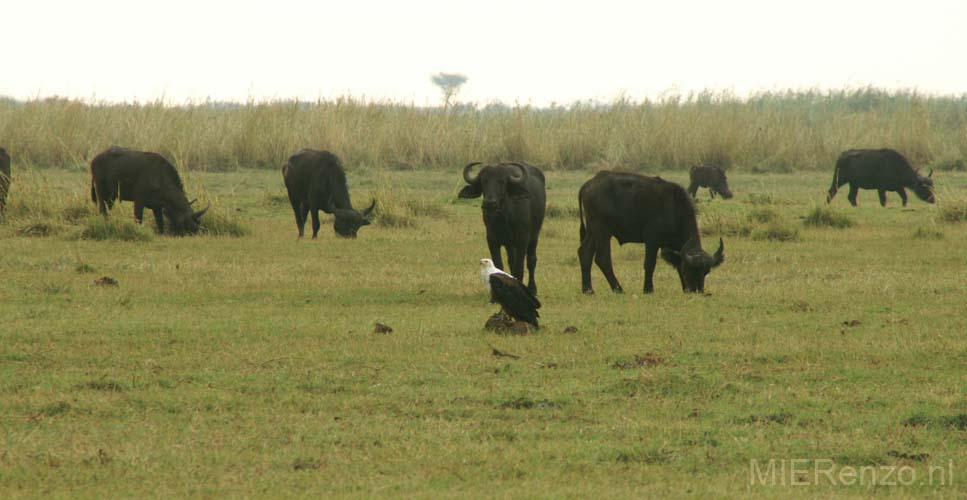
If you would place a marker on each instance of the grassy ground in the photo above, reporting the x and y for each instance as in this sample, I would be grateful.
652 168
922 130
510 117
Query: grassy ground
248 365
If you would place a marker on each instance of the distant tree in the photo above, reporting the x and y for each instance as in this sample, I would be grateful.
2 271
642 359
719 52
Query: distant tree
449 84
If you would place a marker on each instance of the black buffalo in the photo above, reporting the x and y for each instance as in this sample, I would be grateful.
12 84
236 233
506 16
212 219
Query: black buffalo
880 169
148 180
513 206
638 209
316 181
709 176
4 178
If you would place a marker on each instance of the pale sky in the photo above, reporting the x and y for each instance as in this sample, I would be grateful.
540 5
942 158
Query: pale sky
534 52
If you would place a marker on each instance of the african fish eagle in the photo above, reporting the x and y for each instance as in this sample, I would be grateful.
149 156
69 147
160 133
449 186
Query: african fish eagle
514 298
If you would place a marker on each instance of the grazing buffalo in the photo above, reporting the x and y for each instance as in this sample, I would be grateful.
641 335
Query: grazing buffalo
148 180
880 169
316 181
513 212
638 209
4 178
709 176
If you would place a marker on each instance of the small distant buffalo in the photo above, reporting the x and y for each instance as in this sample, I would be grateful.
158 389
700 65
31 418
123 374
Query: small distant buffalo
316 181
148 180
4 178
514 199
637 209
709 176
880 169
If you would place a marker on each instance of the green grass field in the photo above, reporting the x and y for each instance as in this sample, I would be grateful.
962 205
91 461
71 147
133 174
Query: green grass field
248 366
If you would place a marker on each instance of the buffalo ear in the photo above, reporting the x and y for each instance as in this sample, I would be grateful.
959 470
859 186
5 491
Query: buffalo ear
365 222
688 245
470 191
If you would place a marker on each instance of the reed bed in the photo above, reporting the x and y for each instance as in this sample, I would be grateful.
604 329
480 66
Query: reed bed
770 132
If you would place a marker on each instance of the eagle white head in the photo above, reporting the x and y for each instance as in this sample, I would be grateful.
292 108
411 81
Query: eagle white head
486 269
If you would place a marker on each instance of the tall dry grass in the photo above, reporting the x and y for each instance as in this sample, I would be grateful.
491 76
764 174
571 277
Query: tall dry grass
768 131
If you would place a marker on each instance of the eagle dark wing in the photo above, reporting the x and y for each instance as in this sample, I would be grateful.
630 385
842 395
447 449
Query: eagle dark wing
515 298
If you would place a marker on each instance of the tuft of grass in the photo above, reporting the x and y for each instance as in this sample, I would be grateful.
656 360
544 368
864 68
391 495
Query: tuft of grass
953 211
763 216
725 224
928 233
275 198
37 230
826 217
84 268
760 199
776 231
219 222
396 206
75 212
555 211
100 228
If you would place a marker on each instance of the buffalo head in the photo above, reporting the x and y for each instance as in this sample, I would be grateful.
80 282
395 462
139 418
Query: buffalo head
187 221
495 183
923 187
722 187
348 220
694 264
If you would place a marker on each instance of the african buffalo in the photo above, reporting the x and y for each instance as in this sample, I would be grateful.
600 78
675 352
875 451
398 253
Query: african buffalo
880 169
638 209
316 181
709 176
4 178
513 212
147 179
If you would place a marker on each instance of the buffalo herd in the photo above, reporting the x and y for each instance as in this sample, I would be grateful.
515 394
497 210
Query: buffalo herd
629 207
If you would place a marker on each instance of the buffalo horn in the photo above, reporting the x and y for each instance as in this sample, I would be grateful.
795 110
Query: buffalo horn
523 174
370 209
197 215
466 173
930 175
719 254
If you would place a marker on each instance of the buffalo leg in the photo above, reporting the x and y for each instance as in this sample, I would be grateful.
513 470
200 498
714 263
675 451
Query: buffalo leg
101 195
693 189
585 257
304 210
495 254
711 192
515 258
853 191
314 211
602 257
531 266
138 211
882 194
298 208
159 220
903 195
651 260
